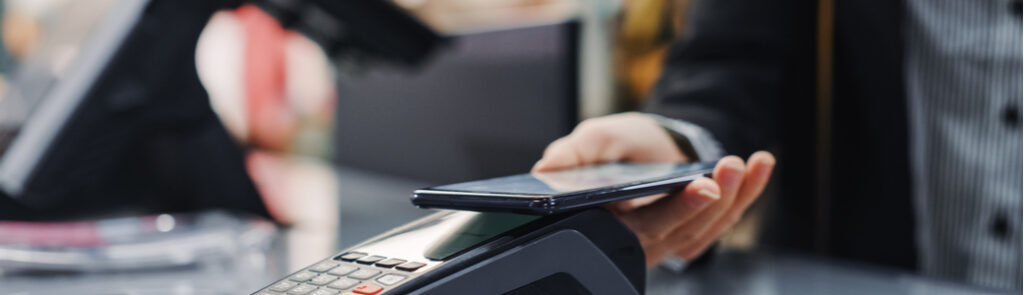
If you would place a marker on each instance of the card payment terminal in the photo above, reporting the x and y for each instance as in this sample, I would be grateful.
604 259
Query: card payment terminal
460 252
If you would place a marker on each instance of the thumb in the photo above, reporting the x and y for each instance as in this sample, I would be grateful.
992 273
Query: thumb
560 154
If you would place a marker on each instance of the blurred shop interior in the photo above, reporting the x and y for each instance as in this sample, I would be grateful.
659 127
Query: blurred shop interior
302 149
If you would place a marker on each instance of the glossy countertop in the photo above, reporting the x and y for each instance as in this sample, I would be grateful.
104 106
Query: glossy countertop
369 204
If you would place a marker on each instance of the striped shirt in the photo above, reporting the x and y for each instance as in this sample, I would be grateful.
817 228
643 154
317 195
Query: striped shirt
963 71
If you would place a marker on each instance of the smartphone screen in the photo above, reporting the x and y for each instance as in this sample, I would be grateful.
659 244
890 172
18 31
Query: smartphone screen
576 179
555 191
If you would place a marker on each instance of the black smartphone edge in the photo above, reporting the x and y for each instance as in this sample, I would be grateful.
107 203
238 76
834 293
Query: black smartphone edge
546 204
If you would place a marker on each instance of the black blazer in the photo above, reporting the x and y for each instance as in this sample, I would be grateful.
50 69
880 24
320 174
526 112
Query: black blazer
745 70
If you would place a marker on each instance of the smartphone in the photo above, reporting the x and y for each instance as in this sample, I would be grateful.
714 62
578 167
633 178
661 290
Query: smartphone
564 190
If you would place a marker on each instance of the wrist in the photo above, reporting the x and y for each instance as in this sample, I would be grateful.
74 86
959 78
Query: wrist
693 141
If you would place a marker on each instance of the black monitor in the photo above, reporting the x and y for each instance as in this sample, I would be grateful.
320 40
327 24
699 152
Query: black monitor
485 105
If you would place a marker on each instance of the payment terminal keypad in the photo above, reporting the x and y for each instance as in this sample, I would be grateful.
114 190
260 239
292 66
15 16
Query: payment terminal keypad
390 262
348 273
343 270
321 280
324 291
390 279
364 274
282 286
302 276
323 266
343 283
302 289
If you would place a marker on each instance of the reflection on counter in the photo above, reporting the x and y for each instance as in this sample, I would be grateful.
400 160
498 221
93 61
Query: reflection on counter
214 251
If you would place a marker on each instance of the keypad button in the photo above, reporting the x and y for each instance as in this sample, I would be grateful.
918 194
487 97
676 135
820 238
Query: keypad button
342 270
370 259
323 266
367 289
283 286
302 289
343 283
321 280
350 256
410 266
390 262
364 274
302 276
390 279
324 291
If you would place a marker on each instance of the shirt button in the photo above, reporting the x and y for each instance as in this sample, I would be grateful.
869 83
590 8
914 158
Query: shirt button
1000 226
1011 116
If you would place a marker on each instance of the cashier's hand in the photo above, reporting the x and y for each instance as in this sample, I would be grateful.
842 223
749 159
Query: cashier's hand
683 224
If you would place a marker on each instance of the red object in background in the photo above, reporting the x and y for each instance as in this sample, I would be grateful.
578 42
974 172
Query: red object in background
271 121
285 95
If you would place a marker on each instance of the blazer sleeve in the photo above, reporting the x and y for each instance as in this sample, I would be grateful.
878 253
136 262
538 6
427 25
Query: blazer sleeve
732 66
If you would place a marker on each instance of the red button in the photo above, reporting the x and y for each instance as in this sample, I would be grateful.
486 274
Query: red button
368 289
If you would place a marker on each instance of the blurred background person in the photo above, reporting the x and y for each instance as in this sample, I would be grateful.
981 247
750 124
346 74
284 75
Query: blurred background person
273 90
